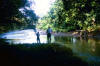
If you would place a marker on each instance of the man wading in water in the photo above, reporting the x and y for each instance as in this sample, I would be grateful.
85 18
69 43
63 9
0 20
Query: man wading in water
38 37
49 32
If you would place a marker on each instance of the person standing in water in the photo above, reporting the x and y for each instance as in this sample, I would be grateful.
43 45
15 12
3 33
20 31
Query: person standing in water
49 32
38 37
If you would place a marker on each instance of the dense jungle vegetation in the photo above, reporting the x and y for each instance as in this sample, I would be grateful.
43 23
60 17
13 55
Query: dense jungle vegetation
64 15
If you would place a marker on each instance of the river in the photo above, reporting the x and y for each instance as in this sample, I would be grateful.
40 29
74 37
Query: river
87 49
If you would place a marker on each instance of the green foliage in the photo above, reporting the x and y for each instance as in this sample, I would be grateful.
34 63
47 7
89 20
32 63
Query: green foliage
55 17
73 15
11 17
29 17
84 13
9 9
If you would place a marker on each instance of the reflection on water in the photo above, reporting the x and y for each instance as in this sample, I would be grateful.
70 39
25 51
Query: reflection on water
88 49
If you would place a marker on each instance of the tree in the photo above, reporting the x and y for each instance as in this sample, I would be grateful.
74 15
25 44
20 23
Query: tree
29 15
11 17
56 16
85 11
9 9
71 15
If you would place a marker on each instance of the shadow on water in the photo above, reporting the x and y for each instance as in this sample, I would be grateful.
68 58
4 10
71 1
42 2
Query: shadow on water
87 49
37 54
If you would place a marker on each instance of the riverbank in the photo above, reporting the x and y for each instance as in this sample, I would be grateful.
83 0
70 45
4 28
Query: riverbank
77 34
38 54
73 34
43 32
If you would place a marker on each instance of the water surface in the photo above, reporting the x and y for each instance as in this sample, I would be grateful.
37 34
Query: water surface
86 48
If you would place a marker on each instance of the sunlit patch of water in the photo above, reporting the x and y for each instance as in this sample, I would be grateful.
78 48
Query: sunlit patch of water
24 36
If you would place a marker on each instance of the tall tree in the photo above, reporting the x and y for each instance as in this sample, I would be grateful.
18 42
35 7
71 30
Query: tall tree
74 14
11 17
86 11
9 8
